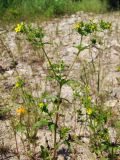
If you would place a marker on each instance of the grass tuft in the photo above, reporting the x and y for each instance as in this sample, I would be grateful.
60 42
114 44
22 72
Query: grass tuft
22 10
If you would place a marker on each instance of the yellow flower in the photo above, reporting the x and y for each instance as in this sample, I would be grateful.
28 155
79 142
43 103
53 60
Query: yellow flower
76 26
41 105
87 88
19 28
17 84
93 27
20 83
89 111
89 98
21 110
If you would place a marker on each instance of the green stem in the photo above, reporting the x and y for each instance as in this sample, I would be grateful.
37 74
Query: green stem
18 155
112 153
75 58
58 106
55 135
49 61
98 81
56 124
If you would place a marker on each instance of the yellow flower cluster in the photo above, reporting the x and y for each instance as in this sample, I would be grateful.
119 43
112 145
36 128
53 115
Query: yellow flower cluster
93 27
21 110
89 111
20 83
89 98
19 27
76 25
17 84
41 105
85 28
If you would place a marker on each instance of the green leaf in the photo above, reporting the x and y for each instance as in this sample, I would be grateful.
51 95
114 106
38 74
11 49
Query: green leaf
81 48
103 158
118 69
41 123
67 143
45 109
51 126
44 153
64 132
20 128
94 41
64 81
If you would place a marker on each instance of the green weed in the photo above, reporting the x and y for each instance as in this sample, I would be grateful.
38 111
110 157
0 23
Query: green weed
35 114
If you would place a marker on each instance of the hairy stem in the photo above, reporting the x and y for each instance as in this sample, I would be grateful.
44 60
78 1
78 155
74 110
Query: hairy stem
56 124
